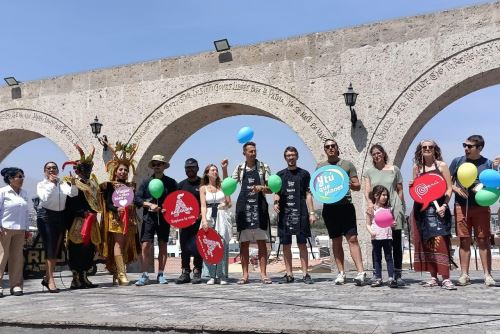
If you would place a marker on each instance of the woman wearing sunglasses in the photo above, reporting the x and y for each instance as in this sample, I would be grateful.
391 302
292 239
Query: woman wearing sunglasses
432 226
51 217
13 224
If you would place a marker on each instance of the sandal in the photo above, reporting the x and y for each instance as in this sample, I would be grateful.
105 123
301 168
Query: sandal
242 281
448 285
266 280
433 282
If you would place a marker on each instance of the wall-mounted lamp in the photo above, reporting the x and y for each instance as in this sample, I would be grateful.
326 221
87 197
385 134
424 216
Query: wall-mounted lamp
96 130
350 100
16 89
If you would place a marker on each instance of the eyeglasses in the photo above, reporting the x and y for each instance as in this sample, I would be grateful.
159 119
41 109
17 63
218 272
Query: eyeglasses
327 147
18 177
51 168
156 164
469 146
428 147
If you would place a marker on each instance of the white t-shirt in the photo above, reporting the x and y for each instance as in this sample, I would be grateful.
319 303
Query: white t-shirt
381 233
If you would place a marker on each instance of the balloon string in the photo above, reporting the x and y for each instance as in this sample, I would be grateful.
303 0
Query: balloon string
158 212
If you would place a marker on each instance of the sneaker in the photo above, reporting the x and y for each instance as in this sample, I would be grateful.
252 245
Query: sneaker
489 281
211 281
184 277
223 282
464 280
286 279
376 282
307 279
448 285
17 291
392 283
1 292
196 277
143 280
400 282
161 279
360 279
340 279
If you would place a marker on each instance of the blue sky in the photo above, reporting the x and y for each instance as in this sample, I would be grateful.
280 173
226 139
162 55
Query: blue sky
44 39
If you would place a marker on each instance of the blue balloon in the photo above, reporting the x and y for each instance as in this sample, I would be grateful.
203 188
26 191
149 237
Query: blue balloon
490 178
245 135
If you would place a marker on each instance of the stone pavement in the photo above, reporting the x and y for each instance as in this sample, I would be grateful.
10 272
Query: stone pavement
254 308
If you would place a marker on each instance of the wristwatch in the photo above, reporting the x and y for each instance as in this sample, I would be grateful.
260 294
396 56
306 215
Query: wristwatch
312 213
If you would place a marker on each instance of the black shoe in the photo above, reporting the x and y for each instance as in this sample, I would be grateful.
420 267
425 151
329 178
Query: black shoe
307 279
76 282
286 279
184 277
85 281
45 283
196 277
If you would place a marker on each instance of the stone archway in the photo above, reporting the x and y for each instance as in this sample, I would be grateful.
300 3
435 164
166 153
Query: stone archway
186 112
19 126
462 73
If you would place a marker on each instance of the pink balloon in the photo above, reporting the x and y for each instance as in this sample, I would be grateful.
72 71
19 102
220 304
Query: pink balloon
383 218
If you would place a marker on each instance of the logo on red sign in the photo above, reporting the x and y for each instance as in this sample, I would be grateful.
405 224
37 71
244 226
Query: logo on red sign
181 209
427 188
210 245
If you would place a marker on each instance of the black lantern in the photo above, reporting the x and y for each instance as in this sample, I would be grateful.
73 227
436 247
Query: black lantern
350 100
96 130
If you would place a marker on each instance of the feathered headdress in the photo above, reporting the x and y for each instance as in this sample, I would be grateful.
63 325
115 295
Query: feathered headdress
84 160
123 154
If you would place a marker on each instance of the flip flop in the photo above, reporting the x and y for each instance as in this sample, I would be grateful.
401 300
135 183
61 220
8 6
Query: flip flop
242 281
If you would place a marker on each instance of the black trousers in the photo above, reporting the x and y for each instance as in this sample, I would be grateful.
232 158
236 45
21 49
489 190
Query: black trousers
81 257
188 247
397 252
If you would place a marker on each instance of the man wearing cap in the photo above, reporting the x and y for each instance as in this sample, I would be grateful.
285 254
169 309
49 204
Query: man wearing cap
188 234
153 221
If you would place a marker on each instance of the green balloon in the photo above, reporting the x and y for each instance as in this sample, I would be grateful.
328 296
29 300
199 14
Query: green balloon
487 196
156 188
274 183
229 186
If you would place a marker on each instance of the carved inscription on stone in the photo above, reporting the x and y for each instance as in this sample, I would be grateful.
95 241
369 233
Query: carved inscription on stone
40 119
258 90
426 82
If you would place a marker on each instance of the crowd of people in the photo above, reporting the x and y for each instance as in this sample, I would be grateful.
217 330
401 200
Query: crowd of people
71 206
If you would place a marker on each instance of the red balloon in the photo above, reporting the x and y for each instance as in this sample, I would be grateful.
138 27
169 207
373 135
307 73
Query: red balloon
181 209
210 245
427 188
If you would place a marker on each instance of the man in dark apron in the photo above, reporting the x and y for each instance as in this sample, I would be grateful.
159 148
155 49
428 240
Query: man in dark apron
252 216
292 204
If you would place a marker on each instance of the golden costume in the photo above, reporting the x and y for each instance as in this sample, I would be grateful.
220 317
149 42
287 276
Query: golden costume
113 221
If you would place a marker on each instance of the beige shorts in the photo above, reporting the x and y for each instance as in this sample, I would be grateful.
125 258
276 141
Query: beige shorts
253 235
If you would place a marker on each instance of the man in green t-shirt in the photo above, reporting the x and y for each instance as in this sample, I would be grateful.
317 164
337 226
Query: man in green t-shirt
340 217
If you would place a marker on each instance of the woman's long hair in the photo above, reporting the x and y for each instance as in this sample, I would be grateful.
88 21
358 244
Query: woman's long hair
418 159
206 180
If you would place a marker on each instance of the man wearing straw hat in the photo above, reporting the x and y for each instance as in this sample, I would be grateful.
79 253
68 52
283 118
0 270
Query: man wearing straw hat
153 221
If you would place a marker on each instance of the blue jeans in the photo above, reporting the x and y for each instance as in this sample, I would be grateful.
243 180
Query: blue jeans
209 270
378 245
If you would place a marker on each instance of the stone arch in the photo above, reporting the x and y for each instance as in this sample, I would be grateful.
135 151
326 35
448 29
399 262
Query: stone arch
18 126
450 79
186 112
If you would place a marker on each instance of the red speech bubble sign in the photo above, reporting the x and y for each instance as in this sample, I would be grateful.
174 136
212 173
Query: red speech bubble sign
427 188
210 245
181 209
